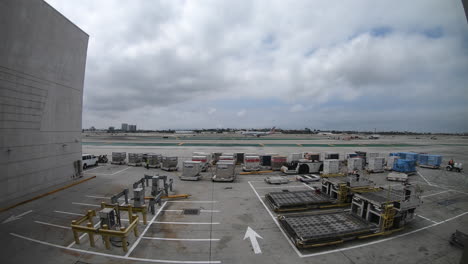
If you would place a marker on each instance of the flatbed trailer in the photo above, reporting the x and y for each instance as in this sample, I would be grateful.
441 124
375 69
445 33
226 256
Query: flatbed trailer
372 214
315 230
287 201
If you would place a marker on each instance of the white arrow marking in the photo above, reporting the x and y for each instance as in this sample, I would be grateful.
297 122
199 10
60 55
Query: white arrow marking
13 218
250 233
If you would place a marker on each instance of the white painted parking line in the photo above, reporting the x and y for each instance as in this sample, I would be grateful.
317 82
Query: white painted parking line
187 223
116 256
424 178
432 194
425 218
98 197
144 231
275 220
282 187
306 185
192 201
113 173
54 225
88 170
95 205
182 239
68 213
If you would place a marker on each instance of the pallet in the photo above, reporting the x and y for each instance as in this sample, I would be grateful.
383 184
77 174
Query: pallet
194 178
134 164
169 169
332 175
118 162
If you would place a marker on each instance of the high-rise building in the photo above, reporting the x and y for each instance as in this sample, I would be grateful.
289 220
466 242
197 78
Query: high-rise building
42 65
132 128
124 127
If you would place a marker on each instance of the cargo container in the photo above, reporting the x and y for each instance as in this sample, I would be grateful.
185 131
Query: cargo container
118 158
191 170
169 163
225 171
251 163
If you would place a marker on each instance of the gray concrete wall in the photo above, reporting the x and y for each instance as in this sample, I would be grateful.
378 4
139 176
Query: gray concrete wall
42 65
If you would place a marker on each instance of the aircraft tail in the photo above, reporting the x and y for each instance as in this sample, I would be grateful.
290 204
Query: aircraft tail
272 131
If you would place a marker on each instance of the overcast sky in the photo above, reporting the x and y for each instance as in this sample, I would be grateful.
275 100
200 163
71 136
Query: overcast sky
360 65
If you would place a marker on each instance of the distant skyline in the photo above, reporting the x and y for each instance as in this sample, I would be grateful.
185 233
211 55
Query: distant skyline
347 65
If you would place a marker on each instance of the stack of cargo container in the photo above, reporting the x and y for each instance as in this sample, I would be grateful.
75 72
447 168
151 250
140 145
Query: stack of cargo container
331 166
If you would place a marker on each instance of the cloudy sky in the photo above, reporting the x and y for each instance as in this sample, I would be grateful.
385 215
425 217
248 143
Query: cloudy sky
389 65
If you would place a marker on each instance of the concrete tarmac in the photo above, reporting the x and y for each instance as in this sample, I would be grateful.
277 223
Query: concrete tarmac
216 234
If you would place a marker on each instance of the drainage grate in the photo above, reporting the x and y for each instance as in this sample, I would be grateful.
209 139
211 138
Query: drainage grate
191 211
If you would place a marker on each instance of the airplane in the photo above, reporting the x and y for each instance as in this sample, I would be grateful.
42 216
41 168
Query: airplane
374 136
258 133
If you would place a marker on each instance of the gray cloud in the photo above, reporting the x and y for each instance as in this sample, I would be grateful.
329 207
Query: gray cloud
176 60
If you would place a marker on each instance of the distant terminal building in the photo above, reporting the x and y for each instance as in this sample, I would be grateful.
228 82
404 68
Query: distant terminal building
184 132
132 128
124 127
111 129
42 66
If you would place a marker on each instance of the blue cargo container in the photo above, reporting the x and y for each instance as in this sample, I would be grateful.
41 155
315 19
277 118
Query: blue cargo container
408 155
394 154
430 161
404 165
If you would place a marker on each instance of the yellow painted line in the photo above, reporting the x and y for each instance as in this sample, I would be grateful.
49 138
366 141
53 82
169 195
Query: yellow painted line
181 143
261 144
300 145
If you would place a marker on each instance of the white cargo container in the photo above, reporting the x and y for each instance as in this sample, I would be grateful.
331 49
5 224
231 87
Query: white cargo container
209 156
371 155
355 164
203 160
191 170
225 171
118 158
390 161
154 160
331 166
376 164
251 163
135 159
169 163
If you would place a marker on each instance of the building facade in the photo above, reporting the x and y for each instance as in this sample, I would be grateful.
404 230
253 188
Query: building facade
42 67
